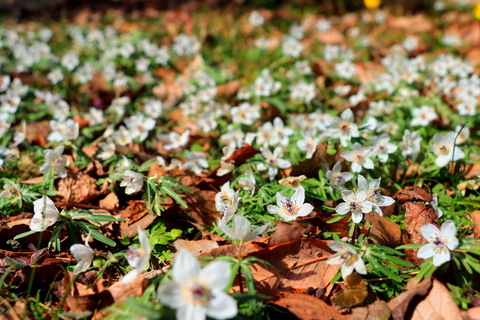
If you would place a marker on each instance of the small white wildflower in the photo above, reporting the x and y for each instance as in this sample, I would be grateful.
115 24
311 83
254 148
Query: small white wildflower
46 214
132 180
137 257
441 242
347 257
291 209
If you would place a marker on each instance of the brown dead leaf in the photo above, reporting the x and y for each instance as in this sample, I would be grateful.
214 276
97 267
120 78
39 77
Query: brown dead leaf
353 292
306 307
437 305
79 188
119 292
228 89
110 202
368 71
196 247
286 232
298 264
332 36
471 314
473 56
135 215
416 24
383 232
378 310
37 133
475 216
418 212
201 207
404 303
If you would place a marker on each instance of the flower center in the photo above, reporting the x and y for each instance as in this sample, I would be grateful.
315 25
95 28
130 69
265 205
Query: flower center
355 205
56 162
443 149
344 126
338 178
12 192
272 161
196 292
133 255
359 157
348 257
289 207
381 148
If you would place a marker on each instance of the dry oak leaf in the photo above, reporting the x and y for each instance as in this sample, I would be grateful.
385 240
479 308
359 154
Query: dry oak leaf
298 264
471 314
110 202
79 188
136 215
196 247
306 307
404 303
383 232
377 310
416 23
353 292
475 216
437 305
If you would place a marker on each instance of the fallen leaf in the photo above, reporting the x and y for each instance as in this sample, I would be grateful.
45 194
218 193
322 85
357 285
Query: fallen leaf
368 71
78 188
353 292
135 215
418 212
298 264
475 216
110 202
471 314
196 247
416 23
307 307
404 302
378 310
437 305
289 231
383 232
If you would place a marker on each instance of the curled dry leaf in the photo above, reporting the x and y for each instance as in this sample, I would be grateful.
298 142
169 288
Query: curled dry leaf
475 216
79 188
401 304
353 292
383 232
286 232
195 246
418 212
377 310
437 305
297 265
306 307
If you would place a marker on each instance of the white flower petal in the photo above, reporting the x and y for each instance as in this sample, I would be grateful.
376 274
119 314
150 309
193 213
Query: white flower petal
216 274
441 257
426 251
222 306
185 266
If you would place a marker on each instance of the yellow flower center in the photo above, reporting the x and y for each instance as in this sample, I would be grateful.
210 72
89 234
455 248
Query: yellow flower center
290 208
344 126
196 292
442 149
371 4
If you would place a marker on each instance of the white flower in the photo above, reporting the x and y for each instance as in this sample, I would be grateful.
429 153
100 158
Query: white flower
435 207
132 181
247 183
196 161
308 144
139 126
177 140
347 257
383 147
84 254
54 160
444 148
226 201
337 177
241 228
291 209
256 19
411 144
273 162
423 116
344 127
63 130
441 242
11 191
137 257
46 214
360 157
374 194
184 45
355 202
198 292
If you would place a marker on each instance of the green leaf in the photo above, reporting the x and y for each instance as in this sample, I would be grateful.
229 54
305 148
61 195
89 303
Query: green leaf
24 234
100 237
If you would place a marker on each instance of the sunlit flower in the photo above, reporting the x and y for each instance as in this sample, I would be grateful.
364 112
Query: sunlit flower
84 254
198 292
177 140
226 201
435 207
139 126
359 157
256 19
273 162
337 177
411 144
196 161
241 229
308 144
355 202
291 209
444 148
382 147
440 242
423 116
46 214
344 127
54 160
11 191
137 257
132 180
247 183
347 257
374 194
293 182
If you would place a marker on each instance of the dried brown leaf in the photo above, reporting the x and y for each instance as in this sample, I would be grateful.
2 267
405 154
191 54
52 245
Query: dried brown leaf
378 310
383 232
307 307
196 247
404 303
437 305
